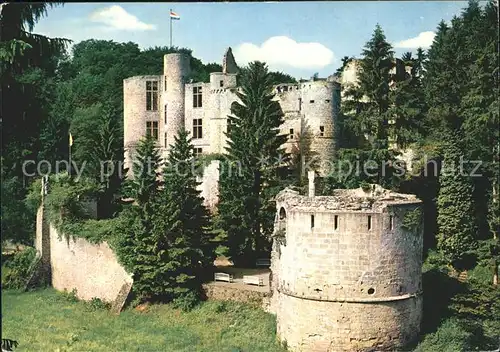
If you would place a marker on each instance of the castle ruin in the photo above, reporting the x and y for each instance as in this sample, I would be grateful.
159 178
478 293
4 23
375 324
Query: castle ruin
346 270
161 105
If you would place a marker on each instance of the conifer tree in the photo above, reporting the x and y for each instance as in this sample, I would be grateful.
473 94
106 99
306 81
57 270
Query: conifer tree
146 165
456 221
181 228
136 247
365 114
254 167
370 100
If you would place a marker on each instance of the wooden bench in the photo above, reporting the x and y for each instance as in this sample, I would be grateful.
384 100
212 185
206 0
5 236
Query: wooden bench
253 280
263 262
223 277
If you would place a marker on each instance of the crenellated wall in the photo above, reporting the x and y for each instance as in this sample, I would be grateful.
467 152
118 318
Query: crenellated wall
346 272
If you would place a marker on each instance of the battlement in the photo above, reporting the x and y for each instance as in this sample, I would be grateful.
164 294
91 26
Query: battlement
375 199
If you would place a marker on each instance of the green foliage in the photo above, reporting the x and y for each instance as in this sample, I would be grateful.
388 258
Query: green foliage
412 221
166 241
147 162
241 326
19 268
187 301
277 77
246 212
456 221
96 304
450 337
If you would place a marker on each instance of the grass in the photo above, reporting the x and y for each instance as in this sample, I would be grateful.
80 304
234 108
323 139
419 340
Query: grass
46 320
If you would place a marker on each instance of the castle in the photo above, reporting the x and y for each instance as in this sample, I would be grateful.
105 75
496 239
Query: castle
161 105
346 269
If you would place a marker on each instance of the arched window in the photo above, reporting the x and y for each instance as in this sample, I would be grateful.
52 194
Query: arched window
282 213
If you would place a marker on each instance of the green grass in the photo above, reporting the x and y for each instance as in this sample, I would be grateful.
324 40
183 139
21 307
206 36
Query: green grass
45 320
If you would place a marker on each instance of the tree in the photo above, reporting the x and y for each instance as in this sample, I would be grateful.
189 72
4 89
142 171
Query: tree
365 117
146 170
456 220
278 77
27 66
369 102
407 104
181 226
245 207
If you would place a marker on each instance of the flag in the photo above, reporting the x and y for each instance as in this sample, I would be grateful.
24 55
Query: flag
174 16
70 140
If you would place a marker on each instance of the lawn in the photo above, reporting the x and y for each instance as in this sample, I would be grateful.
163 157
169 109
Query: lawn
45 320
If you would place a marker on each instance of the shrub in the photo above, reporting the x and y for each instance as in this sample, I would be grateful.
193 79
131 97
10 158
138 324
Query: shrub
187 301
19 268
97 304
450 337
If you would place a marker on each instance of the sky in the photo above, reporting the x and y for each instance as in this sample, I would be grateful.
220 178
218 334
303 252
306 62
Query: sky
299 38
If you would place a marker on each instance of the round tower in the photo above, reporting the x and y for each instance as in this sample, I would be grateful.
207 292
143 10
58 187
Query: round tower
319 102
346 270
176 68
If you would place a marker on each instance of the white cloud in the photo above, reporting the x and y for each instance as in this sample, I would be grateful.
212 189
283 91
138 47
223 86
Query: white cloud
423 40
117 18
281 50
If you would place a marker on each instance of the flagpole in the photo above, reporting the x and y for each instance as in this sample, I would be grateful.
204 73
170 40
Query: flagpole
170 16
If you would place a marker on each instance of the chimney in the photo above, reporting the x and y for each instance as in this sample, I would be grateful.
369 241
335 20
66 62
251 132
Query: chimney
310 176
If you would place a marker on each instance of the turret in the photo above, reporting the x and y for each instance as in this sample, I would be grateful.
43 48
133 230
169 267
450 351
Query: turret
176 69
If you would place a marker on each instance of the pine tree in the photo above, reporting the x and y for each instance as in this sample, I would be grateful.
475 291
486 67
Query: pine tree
146 165
366 112
407 104
181 228
136 248
370 100
456 221
257 161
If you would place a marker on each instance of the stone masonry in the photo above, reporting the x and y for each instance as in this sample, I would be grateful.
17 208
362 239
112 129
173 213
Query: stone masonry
346 272
204 107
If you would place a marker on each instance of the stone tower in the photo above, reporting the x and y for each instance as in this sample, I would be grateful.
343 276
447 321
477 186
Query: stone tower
176 69
346 270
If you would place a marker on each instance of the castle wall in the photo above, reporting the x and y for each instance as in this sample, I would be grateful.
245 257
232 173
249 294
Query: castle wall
209 185
176 69
320 326
202 112
92 269
310 110
345 285
135 114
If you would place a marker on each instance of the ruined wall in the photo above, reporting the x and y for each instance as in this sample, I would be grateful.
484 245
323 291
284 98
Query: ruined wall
135 114
349 279
216 291
209 185
91 269
310 109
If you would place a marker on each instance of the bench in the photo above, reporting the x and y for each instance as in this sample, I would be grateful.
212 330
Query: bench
263 262
253 280
223 277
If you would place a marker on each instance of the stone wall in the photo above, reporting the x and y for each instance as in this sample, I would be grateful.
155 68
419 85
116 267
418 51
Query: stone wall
346 272
74 263
221 292
209 185
92 269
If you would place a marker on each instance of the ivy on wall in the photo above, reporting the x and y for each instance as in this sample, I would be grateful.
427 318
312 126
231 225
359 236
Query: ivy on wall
412 220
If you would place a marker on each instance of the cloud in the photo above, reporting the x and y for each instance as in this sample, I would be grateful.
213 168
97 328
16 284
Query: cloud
423 40
284 51
117 18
